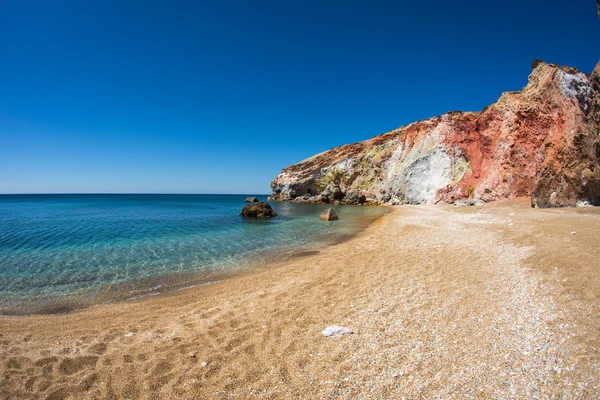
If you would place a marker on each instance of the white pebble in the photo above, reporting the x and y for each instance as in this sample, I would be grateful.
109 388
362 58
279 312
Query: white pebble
334 331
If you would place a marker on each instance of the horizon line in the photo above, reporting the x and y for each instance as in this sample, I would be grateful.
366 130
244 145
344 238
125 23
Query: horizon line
133 193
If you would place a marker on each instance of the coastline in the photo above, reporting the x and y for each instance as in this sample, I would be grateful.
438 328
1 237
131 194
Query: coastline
160 285
443 301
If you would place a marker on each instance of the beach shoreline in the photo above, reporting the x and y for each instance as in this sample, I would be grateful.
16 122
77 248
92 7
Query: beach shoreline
498 301
160 285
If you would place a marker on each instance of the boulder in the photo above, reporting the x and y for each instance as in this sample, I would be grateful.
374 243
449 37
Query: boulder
251 200
328 215
258 210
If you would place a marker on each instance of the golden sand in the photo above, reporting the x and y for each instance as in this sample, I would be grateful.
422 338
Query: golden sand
497 302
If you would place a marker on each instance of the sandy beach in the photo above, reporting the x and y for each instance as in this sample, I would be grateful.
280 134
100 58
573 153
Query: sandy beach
501 301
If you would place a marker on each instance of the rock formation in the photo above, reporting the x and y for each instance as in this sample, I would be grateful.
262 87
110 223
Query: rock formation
543 142
251 200
258 210
328 215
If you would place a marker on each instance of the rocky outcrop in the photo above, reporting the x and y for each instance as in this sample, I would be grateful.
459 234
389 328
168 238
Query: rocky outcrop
251 200
543 142
328 215
468 203
258 210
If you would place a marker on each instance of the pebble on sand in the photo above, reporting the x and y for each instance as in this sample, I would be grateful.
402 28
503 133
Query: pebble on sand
573 233
334 331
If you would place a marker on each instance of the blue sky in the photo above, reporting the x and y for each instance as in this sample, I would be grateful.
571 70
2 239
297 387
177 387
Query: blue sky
217 97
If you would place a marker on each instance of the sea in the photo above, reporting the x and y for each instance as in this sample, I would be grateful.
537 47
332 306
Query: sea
63 252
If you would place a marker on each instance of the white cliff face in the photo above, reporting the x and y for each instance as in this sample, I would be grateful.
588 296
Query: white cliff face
414 173
427 175
577 86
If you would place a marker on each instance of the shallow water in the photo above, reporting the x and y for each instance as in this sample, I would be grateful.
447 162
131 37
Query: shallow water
60 252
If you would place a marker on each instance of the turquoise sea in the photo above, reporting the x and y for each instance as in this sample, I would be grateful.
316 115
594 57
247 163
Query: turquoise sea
64 252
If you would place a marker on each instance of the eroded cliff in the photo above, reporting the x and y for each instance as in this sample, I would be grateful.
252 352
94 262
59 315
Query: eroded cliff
543 142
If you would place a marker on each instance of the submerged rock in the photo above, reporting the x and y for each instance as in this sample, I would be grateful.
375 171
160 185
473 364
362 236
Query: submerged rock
541 142
251 200
328 215
258 210
334 331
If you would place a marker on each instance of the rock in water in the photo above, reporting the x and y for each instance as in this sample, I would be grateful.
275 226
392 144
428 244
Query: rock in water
251 200
541 142
328 215
258 210
334 331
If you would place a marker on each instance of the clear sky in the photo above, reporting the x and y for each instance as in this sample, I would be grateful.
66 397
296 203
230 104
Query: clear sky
219 96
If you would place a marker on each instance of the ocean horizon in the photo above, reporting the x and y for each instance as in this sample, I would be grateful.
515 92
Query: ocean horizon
60 252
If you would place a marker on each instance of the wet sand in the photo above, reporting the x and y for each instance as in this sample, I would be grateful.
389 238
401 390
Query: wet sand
497 302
